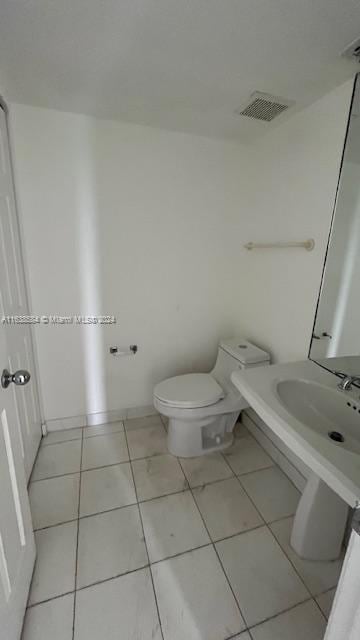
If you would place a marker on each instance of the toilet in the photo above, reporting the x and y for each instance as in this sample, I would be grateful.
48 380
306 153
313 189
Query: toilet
203 408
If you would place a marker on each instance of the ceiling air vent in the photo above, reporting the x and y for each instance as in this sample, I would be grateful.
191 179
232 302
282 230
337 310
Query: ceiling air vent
352 51
263 106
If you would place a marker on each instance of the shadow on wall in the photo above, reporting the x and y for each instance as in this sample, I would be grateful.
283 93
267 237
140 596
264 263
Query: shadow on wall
89 266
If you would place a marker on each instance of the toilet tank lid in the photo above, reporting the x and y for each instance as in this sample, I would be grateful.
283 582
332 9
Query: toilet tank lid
244 351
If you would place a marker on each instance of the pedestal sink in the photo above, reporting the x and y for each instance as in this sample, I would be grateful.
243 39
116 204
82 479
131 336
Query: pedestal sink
320 519
300 402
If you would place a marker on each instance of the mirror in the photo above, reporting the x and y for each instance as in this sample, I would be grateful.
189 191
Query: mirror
336 333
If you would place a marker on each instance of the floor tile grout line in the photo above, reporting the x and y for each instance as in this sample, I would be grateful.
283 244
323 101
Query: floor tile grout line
290 560
169 557
77 539
238 477
145 428
263 522
103 435
217 555
98 513
58 595
152 455
251 500
85 428
163 495
57 524
197 486
270 456
211 542
326 591
298 573
125 573
207 544
246 473
267 525
276 615
154 417
145 543
317 604
235 636
279 614
180 553
120 575
104 466
116 464
115 577
95 435
145 566
86 516
72 473
55 444
259 470
320 609
246 493
89 586
62 475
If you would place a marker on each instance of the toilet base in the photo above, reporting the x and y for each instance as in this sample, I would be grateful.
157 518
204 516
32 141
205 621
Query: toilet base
320 522
187 439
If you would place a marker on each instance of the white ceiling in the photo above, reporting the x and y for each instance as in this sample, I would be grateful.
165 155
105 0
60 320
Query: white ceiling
178 64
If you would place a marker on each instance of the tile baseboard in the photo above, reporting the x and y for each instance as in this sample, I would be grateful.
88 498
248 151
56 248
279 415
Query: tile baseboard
93 419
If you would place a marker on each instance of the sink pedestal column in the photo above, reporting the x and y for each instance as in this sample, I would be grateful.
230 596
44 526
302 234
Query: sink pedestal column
320 522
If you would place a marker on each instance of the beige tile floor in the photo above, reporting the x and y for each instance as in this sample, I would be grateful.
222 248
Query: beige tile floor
134 543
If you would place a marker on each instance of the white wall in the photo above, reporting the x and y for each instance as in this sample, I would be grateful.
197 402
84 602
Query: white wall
293 188
150 225
293 185
130 221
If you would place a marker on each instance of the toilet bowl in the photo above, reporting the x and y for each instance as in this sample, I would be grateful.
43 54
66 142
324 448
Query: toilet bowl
203 407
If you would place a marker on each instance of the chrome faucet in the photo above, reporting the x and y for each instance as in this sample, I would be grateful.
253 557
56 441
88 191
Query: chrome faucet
347 381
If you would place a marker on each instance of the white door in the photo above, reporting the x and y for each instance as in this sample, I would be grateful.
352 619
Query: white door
17 546
20 431
344 621
14 303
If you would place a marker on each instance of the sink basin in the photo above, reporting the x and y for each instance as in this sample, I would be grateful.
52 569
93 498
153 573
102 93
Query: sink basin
301 404
329 412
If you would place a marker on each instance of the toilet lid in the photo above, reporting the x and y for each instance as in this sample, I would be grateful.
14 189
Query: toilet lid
189 391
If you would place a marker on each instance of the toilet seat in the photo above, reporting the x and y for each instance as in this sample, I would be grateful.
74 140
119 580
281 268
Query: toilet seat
189 391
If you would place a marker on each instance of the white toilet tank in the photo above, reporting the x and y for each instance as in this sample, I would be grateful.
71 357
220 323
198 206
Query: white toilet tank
197 428
236 353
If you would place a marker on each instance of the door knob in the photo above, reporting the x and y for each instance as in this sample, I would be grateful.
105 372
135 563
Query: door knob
20 378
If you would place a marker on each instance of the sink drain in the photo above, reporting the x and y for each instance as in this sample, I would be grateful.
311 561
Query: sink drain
337 436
